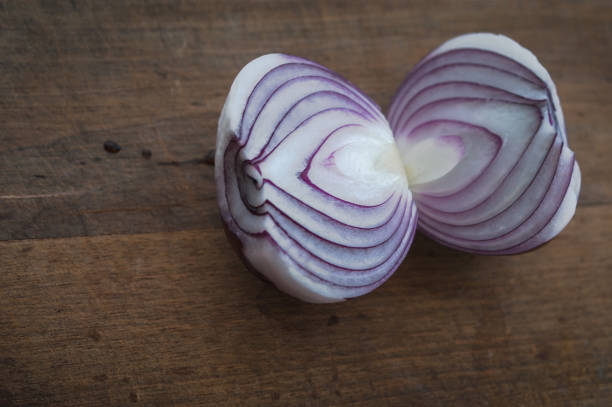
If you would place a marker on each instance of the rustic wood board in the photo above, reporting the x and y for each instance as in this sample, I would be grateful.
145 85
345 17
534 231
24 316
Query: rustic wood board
118 287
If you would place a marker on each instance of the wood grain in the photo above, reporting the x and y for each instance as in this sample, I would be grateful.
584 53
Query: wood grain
117 285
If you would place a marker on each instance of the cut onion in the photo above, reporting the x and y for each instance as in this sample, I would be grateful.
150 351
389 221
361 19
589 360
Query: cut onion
310 182
500 176
316 188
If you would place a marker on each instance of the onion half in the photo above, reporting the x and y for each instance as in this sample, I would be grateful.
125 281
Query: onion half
480 129
310 182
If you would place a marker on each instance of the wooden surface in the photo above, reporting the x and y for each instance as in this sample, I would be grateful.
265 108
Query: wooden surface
118 287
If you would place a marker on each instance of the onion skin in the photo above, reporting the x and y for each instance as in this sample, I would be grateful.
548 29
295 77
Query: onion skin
522 189
310 185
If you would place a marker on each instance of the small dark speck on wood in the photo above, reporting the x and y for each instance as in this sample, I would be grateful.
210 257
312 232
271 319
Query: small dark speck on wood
333 320
111 147
146 153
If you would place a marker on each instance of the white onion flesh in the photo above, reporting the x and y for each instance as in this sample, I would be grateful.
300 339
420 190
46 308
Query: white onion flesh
515 184
320 193
310 181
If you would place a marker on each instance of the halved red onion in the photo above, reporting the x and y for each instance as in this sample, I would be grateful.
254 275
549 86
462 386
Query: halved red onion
480 129
310 182
313 186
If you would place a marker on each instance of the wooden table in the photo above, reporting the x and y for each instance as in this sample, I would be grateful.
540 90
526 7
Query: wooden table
117 284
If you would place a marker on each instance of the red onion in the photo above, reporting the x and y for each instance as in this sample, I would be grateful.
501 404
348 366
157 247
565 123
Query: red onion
312 184
310 181
481 132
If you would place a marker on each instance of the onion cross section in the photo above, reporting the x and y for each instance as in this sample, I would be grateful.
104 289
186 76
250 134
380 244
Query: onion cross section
310 183
480 128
